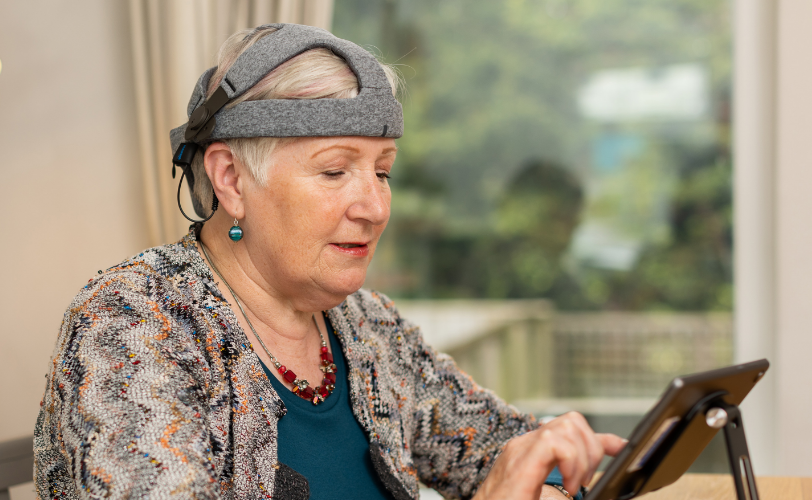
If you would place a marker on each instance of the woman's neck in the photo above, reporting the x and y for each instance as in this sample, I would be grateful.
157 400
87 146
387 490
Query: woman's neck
290 334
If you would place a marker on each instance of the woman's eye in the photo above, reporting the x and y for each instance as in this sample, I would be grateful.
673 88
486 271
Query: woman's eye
384 175
334 173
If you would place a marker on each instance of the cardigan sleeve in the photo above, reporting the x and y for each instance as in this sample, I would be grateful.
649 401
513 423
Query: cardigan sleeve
461 427
125 402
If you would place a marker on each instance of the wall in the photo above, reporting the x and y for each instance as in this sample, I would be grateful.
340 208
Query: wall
754 148
773 233
793 207
72 192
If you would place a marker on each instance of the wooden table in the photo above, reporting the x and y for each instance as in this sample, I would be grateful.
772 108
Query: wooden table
720 487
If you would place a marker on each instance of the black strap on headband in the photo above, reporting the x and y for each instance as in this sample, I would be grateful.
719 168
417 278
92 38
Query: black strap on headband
202 121
215 203
200 126
187 152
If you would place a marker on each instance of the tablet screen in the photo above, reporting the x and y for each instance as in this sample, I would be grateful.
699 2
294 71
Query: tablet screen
653 443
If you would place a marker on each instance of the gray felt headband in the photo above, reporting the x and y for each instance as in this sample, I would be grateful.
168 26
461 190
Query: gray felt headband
374 112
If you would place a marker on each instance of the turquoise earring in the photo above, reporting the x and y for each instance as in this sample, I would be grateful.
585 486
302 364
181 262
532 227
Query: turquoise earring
235 233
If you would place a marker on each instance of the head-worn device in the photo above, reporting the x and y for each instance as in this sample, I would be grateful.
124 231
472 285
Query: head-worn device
374 112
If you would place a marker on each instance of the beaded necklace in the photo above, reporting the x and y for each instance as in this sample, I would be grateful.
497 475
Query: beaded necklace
301 387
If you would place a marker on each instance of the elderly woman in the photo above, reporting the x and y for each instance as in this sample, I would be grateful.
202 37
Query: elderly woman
245 361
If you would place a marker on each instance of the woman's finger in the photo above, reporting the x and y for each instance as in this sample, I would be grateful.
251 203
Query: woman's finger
612 444
561 451
576 435
594 447
572 456
575 428
522 467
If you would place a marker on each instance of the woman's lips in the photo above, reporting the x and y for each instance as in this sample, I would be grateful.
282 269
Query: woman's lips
353 249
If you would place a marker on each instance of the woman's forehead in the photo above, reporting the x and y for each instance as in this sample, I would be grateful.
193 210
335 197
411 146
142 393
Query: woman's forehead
313 147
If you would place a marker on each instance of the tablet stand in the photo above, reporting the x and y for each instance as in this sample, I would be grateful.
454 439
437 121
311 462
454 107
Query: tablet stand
726 415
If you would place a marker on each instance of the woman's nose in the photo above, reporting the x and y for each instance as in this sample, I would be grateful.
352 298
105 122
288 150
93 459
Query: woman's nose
372 201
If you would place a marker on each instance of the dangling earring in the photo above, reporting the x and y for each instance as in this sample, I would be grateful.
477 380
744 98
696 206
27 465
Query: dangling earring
235 233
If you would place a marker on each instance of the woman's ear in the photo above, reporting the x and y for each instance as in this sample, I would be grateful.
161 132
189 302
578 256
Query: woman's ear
226 178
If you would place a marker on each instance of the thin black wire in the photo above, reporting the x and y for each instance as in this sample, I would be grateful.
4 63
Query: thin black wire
214 204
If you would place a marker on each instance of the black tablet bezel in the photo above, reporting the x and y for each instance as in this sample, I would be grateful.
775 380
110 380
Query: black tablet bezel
662 459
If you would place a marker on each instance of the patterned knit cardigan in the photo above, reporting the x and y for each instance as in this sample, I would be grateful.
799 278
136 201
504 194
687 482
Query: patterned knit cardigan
155 391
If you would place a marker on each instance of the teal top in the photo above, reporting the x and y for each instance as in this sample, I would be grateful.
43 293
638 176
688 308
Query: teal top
325 443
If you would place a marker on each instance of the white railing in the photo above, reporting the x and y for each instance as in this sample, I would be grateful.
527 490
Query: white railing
530 354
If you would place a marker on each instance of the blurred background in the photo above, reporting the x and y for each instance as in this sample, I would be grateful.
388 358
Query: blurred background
563 215
564 181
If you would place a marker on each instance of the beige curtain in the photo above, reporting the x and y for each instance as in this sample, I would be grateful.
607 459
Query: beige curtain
173 42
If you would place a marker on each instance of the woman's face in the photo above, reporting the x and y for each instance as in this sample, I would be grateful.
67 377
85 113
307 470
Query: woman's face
313 228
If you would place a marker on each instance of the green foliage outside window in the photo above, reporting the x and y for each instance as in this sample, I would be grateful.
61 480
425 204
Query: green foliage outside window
504 184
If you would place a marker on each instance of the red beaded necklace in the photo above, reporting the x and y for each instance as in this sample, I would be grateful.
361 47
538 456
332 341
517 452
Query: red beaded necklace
300 386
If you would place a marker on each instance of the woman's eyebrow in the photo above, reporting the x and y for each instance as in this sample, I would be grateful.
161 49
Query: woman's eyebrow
337 146
386 152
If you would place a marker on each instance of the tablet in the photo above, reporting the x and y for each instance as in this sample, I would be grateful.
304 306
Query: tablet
673 434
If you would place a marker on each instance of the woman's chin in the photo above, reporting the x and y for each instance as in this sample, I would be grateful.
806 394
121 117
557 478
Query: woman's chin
347 284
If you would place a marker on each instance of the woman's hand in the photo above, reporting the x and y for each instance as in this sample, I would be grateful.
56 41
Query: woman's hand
567 441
